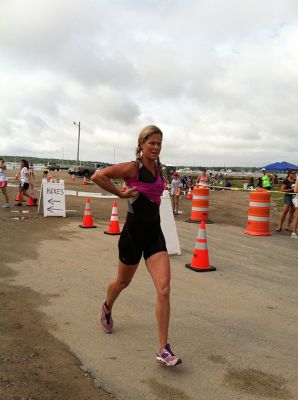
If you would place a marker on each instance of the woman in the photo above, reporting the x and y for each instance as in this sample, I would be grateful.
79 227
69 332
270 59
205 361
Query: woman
141 233
267 179
295 201
288 208
31 169
203 179
25 182
3 183
176 185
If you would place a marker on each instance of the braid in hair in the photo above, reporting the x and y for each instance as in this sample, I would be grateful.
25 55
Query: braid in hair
138 152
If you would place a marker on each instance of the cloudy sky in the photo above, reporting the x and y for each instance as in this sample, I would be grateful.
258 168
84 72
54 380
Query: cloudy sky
219 77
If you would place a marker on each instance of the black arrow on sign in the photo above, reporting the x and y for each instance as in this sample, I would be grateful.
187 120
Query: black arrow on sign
51 201
51 209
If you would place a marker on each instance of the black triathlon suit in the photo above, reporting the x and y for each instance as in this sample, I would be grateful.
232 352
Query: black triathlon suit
141 233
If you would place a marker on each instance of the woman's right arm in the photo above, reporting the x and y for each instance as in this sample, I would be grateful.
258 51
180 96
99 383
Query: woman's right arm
103 178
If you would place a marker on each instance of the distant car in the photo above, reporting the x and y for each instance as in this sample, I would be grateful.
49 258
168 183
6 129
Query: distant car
82 171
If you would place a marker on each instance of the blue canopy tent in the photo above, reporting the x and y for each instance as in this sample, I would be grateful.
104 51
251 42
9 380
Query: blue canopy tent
280 166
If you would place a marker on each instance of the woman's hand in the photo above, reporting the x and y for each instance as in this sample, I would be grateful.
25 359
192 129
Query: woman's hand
129 193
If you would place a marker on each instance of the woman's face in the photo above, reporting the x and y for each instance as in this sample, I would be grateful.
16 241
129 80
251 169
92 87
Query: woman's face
22 165
152 147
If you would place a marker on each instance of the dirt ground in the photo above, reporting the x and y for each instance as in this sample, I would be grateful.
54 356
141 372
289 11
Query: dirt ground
34 363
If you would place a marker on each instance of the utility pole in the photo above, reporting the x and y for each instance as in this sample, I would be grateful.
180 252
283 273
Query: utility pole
79 134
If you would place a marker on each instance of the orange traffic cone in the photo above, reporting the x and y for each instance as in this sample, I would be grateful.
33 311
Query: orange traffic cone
189 195
165 185
20 198
258 213
85 181
73 178
88 218
199 205
31 202
200 259
114 227
17 177
123 187
49 177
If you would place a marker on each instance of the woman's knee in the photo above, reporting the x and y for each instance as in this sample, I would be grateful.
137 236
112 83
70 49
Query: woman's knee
123 283
164 291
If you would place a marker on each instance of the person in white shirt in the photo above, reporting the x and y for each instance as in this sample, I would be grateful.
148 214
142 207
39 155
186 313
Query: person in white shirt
25 182
3 183
176 186
295 202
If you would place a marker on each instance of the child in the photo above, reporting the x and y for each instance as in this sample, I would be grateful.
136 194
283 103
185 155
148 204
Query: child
25 182
3 183
175 192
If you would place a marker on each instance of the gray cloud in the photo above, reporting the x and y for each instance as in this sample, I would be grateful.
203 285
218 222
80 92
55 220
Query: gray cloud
219 77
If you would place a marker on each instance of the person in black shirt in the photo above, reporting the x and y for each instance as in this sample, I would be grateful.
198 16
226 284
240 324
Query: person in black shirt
288 188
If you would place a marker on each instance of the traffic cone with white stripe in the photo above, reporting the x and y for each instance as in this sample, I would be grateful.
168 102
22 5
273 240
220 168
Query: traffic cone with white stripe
88 217
85 181
123 187
200 259
114 227
189 195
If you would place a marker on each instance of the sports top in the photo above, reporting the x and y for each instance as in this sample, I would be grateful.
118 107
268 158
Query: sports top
24 175
145 206
266 181
3 177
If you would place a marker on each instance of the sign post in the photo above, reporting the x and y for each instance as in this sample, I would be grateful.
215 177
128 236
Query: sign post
53 198
168 225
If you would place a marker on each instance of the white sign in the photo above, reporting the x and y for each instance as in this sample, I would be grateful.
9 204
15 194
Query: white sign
168 224
53 198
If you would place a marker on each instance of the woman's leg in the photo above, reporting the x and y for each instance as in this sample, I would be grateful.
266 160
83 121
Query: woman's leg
158 266
283 216
4 191
27 194
295 223
124 277
290 217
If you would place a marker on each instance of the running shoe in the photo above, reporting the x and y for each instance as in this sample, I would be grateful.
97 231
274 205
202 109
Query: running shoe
5 205
294 235
166 356
106 318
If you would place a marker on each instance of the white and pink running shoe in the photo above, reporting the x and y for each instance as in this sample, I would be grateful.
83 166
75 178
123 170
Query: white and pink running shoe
166 356
106 318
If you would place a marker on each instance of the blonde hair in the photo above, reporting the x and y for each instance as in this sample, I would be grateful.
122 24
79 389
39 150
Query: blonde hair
144 135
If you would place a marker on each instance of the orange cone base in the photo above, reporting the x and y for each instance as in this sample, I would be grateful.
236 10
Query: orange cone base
191 221
253 233
113 234
87 227
210 268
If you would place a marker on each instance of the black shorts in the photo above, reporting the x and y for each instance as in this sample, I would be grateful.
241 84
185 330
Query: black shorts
24 185
136 240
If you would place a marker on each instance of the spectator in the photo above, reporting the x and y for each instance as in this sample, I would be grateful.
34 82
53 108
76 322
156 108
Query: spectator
175 192
25 182
295 202
251 183
260 183
45 171
267 179
3 183
288 208
203 179
228 184
31 169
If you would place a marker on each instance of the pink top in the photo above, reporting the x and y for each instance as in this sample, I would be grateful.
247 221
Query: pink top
151 190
